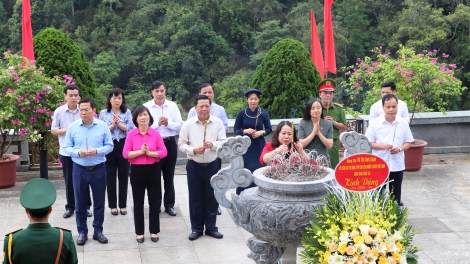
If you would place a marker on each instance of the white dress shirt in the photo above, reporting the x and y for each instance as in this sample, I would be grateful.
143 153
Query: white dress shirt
377 110
169 110
192 135
396 134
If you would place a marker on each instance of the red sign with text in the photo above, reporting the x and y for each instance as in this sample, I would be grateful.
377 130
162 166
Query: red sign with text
361 172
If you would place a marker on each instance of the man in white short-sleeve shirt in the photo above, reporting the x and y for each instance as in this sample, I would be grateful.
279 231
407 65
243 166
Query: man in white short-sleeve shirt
168 122
377 110
390 136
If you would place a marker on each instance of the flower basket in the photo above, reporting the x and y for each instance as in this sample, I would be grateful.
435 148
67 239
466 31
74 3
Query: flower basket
359 228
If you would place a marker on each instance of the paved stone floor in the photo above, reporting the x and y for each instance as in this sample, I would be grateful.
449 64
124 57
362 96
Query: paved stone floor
438 196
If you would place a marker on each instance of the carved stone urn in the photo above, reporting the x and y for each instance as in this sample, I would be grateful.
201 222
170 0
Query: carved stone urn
275 212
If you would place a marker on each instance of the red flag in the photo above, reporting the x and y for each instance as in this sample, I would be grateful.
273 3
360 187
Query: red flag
330 57
317 55
27 31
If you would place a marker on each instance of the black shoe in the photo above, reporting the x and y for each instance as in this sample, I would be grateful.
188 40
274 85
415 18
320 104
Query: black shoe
123 212
113 212
89 213
170 211
81 240
400 203
140 240
154 239
219 212
214 234
68 214
195 235
101 238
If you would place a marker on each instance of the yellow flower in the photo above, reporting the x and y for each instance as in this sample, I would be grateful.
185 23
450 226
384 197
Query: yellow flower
358 239
342 248
383 260
375 252
396 256
327 256
399 245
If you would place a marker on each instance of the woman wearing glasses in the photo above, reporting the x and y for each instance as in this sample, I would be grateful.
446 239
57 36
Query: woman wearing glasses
119 120
254 122
315 133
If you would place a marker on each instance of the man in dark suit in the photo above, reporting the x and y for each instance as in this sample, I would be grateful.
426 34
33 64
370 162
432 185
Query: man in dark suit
39 242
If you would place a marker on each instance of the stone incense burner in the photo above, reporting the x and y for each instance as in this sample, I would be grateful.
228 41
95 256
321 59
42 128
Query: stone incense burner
275 212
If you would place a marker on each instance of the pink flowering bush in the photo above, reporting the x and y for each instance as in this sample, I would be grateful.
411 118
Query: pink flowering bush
424 81
27 99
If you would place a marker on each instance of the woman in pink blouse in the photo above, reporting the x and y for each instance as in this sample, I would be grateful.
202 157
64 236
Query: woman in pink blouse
144 148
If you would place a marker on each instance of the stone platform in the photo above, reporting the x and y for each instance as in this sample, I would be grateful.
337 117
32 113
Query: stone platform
438 196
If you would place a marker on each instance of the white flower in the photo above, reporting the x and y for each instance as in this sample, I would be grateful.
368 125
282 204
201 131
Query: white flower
382 248
344 237
396 236
364 229
335 259
402 259
371 259
360 247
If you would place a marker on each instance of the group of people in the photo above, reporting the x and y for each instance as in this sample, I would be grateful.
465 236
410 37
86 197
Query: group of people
93 151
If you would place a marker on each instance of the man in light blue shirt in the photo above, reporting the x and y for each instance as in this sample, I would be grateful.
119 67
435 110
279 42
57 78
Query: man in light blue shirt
216 110
87 141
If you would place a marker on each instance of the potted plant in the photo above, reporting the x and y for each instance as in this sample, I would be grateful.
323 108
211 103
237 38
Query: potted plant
27 99
424 81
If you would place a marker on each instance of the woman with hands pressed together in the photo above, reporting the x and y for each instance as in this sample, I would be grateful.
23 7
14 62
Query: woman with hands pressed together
144 148
119 120
254 122
316 133
284 141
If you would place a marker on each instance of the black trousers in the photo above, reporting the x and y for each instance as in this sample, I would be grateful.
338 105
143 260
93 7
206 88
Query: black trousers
146 177
202 202
67 168
168 169
395 185
115 161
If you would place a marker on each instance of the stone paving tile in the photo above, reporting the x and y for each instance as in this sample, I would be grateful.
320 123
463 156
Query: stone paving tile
215 253
176 254
122 256
429 225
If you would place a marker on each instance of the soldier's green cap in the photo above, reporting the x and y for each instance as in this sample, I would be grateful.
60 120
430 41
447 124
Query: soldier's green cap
38 195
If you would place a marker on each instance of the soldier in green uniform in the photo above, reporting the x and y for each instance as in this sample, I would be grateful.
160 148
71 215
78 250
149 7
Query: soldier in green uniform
39 242
335 114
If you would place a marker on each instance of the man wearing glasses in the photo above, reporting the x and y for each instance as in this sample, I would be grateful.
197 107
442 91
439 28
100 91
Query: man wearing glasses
334 113
63 117
88 141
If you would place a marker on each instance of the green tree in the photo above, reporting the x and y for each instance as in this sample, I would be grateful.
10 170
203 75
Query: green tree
287 78
59 55
229 92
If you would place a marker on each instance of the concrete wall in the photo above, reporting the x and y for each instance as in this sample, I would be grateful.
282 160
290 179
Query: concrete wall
20 147
445 133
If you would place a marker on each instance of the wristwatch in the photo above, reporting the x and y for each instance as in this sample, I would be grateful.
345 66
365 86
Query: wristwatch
400 150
